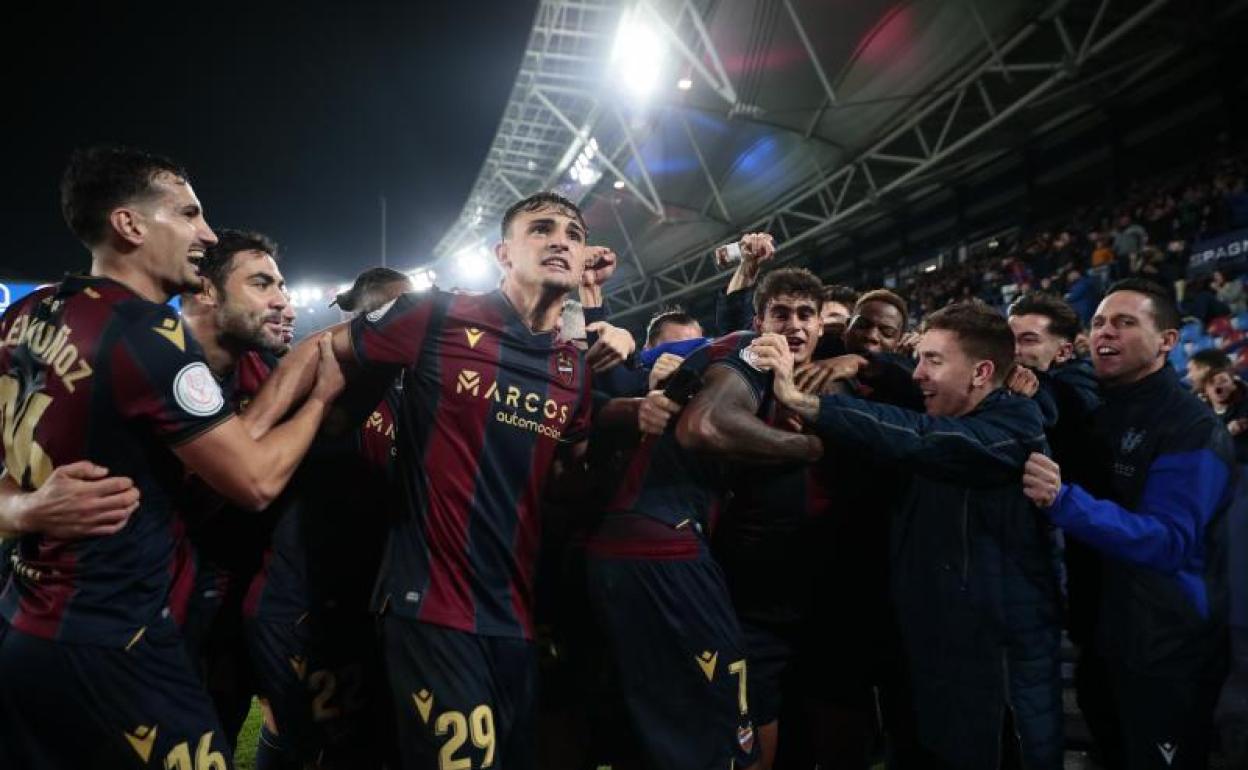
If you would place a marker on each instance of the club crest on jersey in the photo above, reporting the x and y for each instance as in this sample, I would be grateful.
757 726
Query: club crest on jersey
197 391
745 737
565 368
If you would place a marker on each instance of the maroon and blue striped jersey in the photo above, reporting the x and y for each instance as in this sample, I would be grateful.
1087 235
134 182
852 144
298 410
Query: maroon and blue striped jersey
89 370
676 486
314 562
486 405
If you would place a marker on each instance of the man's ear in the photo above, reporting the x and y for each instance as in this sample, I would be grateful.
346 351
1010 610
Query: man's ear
983 373
128 225
1065 352
1169 338
501 255
208 294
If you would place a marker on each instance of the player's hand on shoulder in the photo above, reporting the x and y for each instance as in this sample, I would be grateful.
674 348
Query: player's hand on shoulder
817 377
80 500
611 348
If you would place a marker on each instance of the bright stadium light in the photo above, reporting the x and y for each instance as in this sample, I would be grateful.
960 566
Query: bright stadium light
473 265
684 84
618 184
584 171
422 278
638 52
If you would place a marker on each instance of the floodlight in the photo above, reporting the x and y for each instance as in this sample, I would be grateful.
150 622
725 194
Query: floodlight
684 84
618 184
637 55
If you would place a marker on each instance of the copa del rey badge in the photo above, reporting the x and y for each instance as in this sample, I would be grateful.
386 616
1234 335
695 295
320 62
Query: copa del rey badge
565 367
197 391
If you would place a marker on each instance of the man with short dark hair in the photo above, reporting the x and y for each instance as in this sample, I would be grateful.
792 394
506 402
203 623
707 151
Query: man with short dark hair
679 649
101 369
1200 364
1155 506
493 404
838 306
974 579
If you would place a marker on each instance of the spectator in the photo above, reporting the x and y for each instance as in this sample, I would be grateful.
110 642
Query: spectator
1229 292
1201 364
1202 303
1082 293
1130 238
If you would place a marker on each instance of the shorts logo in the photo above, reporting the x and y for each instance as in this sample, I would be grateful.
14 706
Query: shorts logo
473 335
468 380
196 391
706 662
379 313
745 738
1168 750
563 365
142 740
424 704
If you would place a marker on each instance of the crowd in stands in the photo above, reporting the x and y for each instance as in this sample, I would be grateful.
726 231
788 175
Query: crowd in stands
1149 235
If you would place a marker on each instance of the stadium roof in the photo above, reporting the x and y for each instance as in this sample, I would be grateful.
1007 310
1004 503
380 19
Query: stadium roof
678 124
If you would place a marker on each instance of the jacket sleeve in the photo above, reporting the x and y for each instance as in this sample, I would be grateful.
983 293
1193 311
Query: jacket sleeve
1181 494
976 449
735 312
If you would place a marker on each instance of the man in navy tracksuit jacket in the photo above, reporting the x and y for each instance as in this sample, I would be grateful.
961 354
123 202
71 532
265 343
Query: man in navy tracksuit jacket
1151 494
974 573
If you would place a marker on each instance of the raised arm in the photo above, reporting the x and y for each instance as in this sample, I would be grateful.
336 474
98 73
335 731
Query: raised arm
293 378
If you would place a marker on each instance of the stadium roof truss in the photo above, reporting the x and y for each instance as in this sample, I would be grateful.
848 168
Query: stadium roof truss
846 126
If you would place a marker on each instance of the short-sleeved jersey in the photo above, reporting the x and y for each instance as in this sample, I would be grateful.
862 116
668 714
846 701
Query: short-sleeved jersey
676 486
313 561
486 404
89 370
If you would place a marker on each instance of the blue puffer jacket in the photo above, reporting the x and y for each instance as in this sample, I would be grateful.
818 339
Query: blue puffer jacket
974 573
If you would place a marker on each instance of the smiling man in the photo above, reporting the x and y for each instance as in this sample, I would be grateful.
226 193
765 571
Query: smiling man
676 641
1154 503
973 577
100 368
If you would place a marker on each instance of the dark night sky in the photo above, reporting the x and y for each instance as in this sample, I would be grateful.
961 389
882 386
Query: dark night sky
292 118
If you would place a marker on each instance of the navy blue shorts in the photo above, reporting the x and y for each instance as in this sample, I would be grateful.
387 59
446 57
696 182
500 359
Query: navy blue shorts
321 676
678 649
460 699
77 705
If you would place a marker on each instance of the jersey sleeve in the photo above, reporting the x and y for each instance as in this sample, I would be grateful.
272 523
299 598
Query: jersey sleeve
160 377
393 334
732 352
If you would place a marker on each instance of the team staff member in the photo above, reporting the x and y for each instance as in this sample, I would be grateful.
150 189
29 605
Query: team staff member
99 368
973 573
1155 507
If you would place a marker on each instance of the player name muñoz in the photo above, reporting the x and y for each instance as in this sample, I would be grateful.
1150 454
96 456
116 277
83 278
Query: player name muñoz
50 345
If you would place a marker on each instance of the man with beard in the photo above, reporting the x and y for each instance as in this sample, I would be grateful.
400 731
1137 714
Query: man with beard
679 651
242 318
308 627
973 574
1154 505
99 368
493 405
